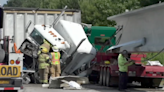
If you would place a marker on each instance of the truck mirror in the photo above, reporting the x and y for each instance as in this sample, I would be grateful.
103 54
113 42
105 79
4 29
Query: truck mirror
1 18
28 25
57 19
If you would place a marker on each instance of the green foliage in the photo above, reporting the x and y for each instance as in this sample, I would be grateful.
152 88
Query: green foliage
94 12
149 56
14 3
149 2
160 57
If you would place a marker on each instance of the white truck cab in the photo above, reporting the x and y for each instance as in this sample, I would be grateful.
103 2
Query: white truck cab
37 37
48 33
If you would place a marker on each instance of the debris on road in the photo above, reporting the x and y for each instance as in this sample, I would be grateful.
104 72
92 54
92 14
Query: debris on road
70 85
58 81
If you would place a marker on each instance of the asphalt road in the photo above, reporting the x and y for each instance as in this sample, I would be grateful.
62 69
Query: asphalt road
87 88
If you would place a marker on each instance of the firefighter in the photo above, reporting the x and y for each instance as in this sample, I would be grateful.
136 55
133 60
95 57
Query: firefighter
55 63
43 59
123 63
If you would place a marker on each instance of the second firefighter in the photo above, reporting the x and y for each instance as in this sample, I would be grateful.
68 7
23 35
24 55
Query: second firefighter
55 63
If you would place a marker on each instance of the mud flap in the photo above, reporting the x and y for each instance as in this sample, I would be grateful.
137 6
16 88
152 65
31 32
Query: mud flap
157 82
161 83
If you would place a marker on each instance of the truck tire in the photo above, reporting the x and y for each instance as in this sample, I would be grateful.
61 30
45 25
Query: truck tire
146 82
36 76
108 78
26 80
101 76
104 77
144 85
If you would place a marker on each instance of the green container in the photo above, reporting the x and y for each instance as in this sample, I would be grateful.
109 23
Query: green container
99 34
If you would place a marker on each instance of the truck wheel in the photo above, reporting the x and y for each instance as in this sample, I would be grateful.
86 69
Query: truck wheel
144 85
108 78
101 76
104 77
26 80
147 83
36 78
32 77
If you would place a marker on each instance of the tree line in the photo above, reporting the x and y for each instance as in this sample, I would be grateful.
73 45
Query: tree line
94 12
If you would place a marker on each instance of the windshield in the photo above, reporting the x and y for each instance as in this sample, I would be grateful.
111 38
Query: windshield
101 40
37 36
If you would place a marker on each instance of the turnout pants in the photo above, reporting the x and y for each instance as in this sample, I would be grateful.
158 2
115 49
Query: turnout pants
123 80
44 75
55 70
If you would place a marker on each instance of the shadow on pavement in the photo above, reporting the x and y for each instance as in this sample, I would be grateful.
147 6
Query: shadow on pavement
115 89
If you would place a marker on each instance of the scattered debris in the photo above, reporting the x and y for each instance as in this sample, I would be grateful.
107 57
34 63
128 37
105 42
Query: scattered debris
58 81
154 63
70 85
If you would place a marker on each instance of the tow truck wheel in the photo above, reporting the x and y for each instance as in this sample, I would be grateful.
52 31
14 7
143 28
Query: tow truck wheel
26 80
108 78
104 77
101 76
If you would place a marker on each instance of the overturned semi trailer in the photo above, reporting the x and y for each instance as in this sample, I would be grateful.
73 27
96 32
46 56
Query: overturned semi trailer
81 50
143 29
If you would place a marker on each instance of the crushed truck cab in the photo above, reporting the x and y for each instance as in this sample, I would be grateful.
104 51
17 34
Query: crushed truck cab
71 40
48 33
38 35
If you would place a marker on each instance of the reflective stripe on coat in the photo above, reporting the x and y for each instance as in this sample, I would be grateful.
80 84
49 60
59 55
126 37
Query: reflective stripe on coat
55 58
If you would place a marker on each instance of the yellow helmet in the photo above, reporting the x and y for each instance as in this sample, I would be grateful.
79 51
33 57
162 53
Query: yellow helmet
44 49
107 62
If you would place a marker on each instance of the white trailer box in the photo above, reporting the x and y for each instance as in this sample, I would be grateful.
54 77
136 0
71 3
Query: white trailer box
16 20
73 33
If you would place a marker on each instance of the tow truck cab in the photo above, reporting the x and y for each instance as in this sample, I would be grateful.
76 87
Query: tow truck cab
11 63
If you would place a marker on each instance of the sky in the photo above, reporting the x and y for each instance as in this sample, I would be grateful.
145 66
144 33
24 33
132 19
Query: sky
2 2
